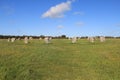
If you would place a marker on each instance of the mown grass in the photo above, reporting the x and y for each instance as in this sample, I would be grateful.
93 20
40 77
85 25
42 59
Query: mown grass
60 60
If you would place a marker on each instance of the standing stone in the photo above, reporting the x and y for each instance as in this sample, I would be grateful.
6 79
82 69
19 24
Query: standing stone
88 38
79 38
102 39
26 40
12 39
18 39
95 38
50 38
69 38
30 38
47 39
74 39
91 39
40 38
8 40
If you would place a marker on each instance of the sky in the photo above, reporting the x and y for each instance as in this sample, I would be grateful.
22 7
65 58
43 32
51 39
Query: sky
60 17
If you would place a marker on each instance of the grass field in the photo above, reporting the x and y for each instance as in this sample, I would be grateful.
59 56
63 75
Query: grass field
60 60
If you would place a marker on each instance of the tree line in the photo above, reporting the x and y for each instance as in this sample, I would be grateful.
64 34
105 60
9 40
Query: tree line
43 36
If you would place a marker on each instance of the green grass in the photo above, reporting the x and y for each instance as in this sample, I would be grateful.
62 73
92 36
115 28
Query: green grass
60 60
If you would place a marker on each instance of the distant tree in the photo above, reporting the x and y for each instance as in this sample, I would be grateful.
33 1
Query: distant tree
63 36
42 36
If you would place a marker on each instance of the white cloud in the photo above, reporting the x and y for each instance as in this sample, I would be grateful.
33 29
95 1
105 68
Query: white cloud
79 23
118 25
60 26
8 10
78 13
58 10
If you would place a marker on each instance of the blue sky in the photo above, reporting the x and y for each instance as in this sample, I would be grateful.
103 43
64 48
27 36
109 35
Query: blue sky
58 17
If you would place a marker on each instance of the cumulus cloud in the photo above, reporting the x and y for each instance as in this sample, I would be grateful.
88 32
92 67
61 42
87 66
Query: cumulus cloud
79 23
12 22
60 26
78 13
58 10
7 10
118 25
